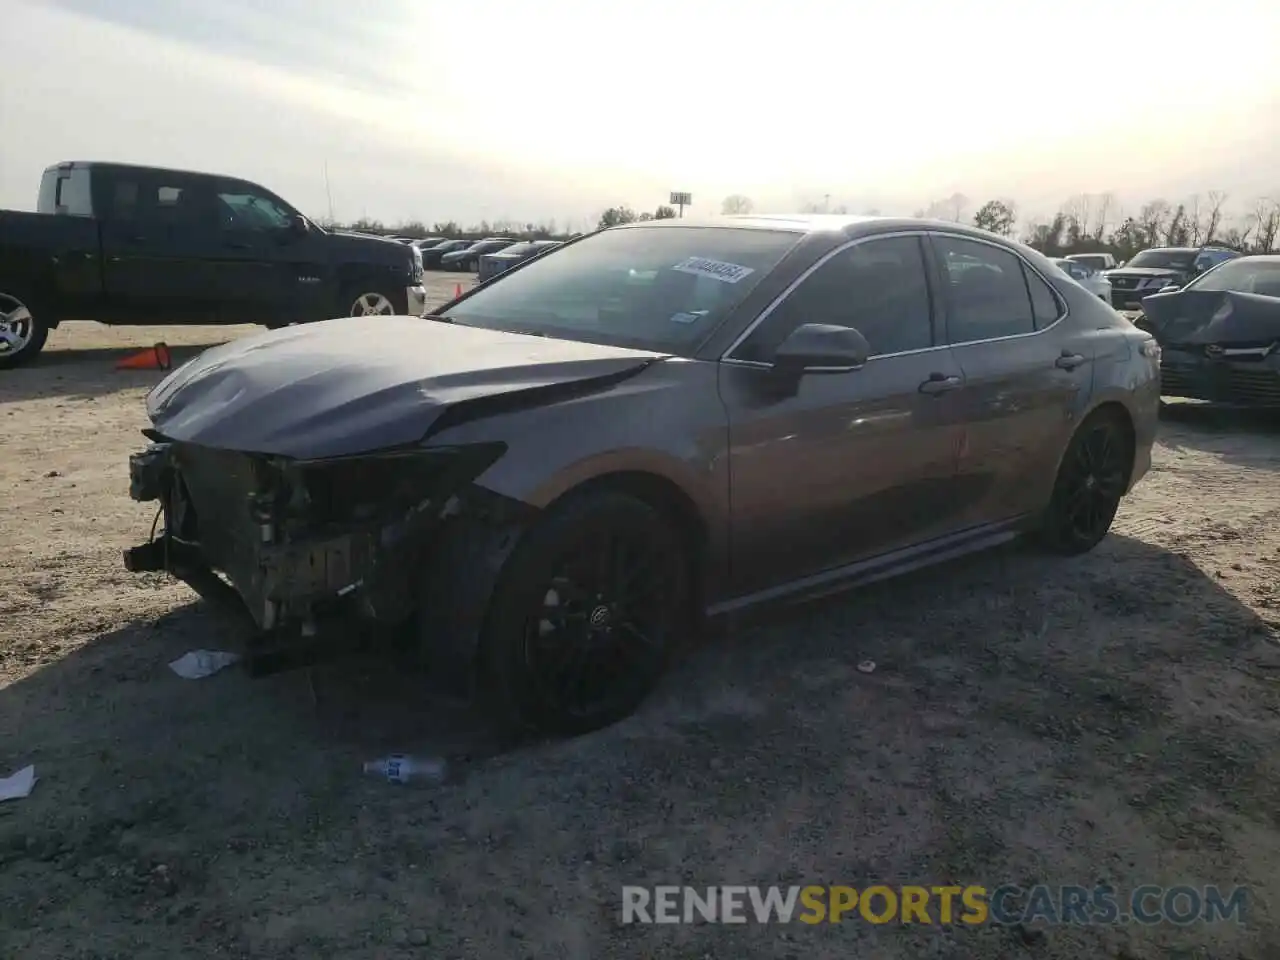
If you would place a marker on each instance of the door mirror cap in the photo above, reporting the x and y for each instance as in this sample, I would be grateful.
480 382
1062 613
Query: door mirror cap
299 226
820 347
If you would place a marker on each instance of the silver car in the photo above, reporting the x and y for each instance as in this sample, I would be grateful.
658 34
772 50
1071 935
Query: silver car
1092 280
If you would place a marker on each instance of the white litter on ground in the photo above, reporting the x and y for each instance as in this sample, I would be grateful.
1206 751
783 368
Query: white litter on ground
867 666
202 663
18 785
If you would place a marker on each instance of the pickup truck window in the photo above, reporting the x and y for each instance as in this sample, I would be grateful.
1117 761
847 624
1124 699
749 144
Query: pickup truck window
238 209
124 200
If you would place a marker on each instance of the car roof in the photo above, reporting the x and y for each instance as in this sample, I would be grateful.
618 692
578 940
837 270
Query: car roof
849 225
1261 257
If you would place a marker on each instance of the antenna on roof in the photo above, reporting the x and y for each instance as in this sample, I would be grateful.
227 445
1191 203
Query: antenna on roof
329 191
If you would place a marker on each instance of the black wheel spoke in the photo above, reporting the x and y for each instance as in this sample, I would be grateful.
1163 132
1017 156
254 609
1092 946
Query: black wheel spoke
599 633
1091 484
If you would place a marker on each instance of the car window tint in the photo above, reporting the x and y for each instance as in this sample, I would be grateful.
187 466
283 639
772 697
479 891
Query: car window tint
240 208
1044 302
124 200
879 287
176 204
986 289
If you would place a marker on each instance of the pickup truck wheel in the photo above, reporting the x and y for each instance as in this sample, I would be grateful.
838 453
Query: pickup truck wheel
371 303
22 336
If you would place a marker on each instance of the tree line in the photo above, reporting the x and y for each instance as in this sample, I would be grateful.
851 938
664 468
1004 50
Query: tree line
1088 223
1084 223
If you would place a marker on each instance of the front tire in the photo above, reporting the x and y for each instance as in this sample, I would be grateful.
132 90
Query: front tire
22 335
585 615
361 301
1092 480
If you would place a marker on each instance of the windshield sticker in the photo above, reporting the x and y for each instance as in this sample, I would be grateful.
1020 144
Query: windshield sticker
693 317
716 269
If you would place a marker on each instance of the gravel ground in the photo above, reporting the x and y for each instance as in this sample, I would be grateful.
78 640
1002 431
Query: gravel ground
1111 717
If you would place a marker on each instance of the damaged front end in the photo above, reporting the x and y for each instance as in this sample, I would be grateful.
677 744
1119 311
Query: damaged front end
1217 345
306 543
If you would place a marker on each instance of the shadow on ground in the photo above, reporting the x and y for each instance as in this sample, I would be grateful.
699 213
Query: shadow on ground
1029 719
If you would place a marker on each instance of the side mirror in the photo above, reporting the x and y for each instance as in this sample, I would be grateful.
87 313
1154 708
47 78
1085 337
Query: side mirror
299 226
819 347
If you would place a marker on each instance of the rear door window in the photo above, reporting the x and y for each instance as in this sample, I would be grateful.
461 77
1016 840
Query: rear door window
987 291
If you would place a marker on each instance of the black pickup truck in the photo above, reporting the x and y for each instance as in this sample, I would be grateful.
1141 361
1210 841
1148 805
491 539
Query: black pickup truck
140 245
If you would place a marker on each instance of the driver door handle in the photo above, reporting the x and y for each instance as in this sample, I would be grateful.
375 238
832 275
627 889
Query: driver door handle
940 383
1069 361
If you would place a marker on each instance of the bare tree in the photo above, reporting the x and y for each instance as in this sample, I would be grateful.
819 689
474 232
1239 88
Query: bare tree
1195 219
736 204
1266 224
1106 208
948 208
1077 210
1153 219
1213 214
1175 231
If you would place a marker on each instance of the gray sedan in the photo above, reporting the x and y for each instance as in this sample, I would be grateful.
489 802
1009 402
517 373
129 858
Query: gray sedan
555 480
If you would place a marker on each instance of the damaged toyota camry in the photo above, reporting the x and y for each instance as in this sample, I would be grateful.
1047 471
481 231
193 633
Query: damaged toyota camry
1220 334
551 481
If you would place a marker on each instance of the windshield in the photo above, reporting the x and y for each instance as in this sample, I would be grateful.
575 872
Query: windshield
1091 261
653 288
1163 259
1242 276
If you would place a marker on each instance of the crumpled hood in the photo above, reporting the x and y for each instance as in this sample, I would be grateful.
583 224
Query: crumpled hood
358 384
1201 317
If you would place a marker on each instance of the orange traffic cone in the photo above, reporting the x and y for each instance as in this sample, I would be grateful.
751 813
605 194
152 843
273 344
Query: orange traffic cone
152 358
457 291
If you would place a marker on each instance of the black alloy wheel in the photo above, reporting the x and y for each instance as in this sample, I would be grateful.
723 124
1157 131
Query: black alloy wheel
1092 480
586 614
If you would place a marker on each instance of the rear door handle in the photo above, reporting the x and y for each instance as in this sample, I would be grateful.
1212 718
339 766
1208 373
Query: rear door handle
1069 361
940 383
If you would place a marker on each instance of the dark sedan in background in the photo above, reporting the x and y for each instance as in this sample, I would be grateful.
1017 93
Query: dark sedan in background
468 258
556 478
1220 334
432 256
492 264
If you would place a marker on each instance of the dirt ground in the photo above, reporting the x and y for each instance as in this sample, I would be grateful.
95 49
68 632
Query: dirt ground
1109 718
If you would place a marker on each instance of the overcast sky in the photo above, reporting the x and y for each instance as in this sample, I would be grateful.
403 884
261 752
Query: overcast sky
557 108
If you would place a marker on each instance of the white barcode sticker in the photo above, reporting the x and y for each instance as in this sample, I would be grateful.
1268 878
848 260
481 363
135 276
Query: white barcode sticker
716 269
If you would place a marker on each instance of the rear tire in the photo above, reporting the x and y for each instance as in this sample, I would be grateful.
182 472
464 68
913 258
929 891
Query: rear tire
22 335
585 615
1092 480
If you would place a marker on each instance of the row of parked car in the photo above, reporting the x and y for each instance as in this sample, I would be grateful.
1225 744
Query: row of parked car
487 257
1124 285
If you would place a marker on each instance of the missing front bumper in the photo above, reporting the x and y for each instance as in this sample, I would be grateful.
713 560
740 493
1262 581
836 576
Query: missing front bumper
303 543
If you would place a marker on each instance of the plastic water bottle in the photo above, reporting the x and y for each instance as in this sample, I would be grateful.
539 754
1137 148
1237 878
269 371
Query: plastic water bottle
400 768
